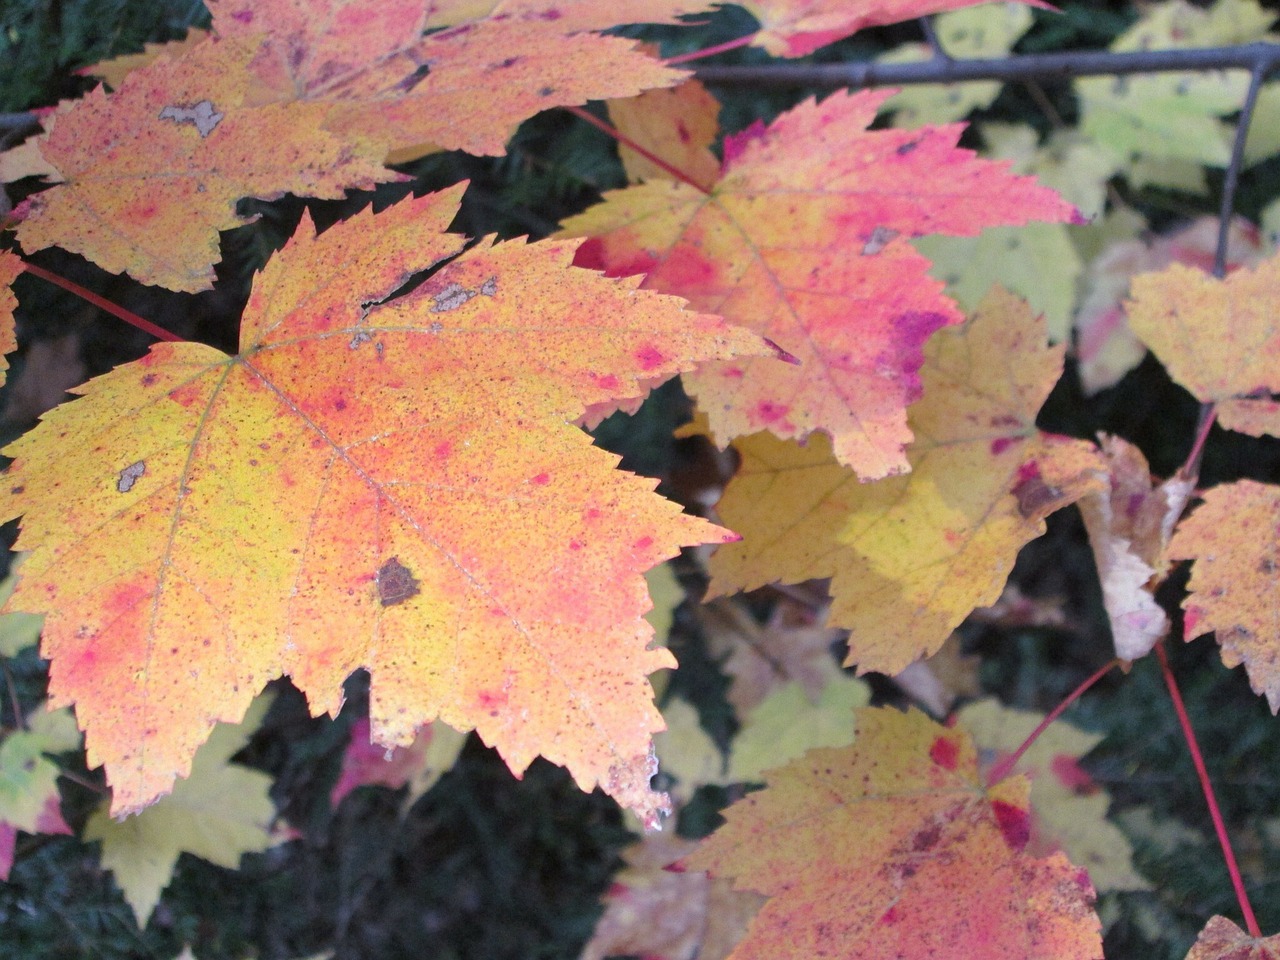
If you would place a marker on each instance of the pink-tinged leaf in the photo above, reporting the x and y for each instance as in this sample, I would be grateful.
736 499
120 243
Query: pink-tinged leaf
803 241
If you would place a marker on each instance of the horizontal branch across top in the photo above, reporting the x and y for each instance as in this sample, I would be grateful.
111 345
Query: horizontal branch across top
1259 56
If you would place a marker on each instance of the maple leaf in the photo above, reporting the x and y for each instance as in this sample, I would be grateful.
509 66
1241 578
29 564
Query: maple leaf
1129 525
302 98
1234 539
1166 126
912 556
758 658
10 266
894 848
679 125
796 28
788 723
1179 314
29 797
219 813
419 765
1105 342
686 753
1068 810
1223 940
799 241
17 630
397 487
658 910
988 31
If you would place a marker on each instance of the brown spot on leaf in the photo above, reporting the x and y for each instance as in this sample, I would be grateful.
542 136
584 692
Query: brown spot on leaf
396 583
203 116
130 475
451 298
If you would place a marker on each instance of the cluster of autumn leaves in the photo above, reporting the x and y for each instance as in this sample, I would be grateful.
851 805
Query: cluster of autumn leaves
400 484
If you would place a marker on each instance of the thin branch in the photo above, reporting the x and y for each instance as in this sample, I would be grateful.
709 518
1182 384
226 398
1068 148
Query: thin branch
1005 766
1189 734
1232 178
1259 56
631 144
128 316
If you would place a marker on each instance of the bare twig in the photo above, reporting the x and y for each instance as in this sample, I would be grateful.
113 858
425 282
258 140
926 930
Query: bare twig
1259 56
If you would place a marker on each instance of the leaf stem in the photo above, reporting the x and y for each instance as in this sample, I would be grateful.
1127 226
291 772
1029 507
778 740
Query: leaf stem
1189 734
103 304
632 145
711 51
1004 767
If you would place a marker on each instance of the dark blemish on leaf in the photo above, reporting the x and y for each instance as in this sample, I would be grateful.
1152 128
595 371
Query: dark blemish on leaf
682 132
451 298
1014 823
546 91
396 583
490 287
1000 444
17 490
926 839
1267 566
362 336
203 116
130 475
149 379
243 16
878 240
906 148
1036 499
436 327
945 753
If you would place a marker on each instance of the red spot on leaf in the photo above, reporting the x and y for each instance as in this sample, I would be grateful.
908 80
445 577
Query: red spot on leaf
442 450
890 917
1000 444
644 543
767 412
682 131
1014 823
607 381
1071 775
649 357
733 373
945 752
576 544
541 479
243 16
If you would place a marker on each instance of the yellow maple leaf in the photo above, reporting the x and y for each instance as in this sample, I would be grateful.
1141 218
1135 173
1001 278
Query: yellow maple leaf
397 487
910 557
1234 539
219 813
1218 338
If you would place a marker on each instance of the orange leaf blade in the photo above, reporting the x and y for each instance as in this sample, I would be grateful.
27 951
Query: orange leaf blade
397 488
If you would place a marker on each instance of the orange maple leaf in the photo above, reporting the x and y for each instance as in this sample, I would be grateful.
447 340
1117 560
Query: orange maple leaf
306 98
912 556
396 487
895 849
1234 539
803 240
